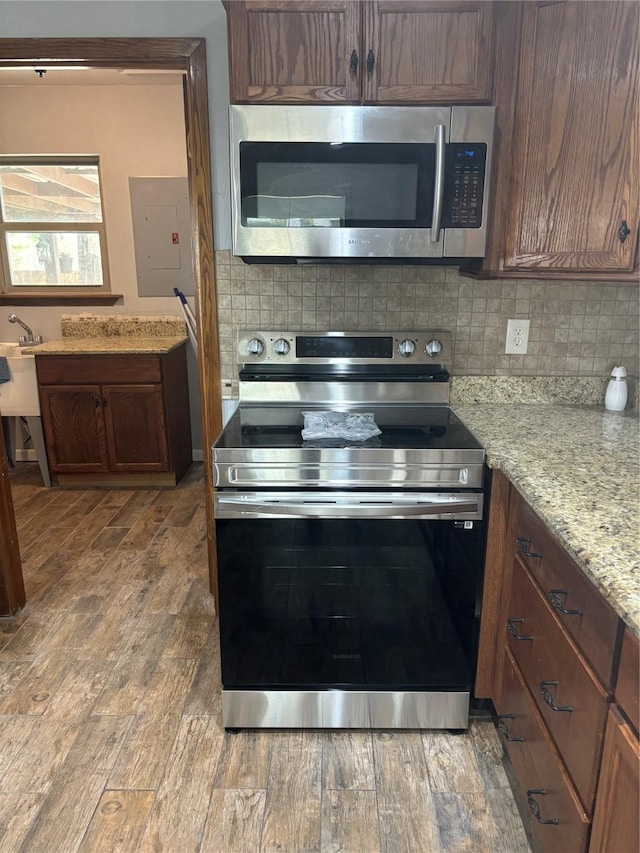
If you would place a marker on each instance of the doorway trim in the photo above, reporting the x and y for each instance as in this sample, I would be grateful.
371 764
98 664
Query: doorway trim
180 54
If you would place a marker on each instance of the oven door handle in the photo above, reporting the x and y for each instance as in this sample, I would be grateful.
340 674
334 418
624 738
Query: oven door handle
253 505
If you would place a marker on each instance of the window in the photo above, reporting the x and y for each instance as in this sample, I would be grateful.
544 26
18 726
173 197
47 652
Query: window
52 233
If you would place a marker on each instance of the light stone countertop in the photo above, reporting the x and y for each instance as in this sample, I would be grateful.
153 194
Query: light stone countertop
578 467
127 344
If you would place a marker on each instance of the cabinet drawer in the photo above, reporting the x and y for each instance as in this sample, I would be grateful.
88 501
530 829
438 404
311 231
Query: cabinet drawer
537 767
71 369
595 627
570 698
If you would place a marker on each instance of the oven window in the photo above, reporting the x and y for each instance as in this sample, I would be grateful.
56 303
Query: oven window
347 185
371 604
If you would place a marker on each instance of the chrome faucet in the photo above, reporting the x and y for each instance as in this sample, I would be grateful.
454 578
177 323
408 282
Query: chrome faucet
30 338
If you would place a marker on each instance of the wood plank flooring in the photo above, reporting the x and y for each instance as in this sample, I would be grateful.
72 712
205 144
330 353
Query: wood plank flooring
110 730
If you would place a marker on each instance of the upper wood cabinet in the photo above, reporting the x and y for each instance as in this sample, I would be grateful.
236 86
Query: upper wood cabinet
359 51
566 170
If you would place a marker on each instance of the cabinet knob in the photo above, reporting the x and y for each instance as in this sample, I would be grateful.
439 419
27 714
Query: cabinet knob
511 628
623 231
371 61
554 598
353 62
547 695
522 545
534 807
502 726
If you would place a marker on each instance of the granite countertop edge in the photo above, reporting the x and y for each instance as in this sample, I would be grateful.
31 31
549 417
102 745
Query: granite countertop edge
577 467
125 345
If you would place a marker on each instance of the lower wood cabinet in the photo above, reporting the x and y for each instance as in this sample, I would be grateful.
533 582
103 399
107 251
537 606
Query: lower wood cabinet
569 697
563 673
116 419
616 826
615 822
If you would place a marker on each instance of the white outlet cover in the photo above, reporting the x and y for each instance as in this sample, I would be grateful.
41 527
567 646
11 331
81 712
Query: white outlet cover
517 337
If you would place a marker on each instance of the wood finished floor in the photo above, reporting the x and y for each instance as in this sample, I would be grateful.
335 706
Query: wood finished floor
110 730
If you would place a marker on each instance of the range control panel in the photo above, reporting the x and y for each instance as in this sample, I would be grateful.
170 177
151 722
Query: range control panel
273 347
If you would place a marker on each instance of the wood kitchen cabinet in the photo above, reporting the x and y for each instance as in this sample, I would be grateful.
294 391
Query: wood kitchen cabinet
566 163
615 821
116 419
359 51
550 659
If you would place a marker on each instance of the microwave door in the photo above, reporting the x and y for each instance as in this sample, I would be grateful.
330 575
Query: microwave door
352 199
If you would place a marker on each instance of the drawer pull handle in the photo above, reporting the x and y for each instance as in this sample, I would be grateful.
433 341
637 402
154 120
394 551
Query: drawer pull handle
511 628
353 62
548 696
554 597
534 807
522 545
502 726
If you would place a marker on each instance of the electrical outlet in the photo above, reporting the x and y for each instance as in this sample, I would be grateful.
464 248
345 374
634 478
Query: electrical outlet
517 337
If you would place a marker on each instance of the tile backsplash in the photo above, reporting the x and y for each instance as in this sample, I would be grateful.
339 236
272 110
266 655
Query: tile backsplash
576 329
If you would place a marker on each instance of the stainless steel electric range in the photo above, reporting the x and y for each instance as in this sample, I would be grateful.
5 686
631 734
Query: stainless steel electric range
349 571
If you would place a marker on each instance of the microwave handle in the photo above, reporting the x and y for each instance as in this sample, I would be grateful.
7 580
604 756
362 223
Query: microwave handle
438 186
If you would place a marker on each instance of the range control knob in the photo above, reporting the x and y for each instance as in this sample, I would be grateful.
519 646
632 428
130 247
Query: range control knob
406 348
432 348
281 347
255 347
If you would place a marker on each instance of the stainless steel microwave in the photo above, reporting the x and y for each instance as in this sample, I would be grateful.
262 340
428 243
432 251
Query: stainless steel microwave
358 183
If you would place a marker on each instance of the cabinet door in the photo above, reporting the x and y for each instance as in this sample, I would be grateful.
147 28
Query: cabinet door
575 160
427 52
301 51
615 822
74 428
135 424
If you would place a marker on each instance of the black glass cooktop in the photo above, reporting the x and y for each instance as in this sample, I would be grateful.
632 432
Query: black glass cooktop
405 428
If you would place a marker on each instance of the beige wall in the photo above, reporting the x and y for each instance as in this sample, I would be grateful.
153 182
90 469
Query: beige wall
576 329
138 131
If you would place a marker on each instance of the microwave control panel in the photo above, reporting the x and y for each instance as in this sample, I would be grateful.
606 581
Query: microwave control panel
465 168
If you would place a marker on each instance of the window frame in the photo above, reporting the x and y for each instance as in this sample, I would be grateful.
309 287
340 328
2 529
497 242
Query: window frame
7 287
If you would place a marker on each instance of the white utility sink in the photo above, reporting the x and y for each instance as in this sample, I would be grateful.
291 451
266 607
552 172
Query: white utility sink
19 396
19 399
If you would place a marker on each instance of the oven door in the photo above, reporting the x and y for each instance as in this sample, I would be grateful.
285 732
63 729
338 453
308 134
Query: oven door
348 609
